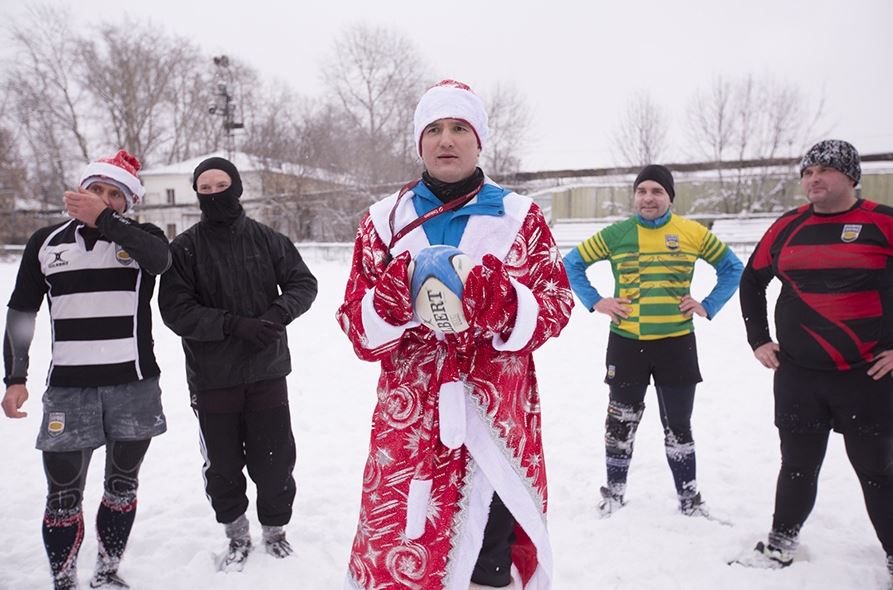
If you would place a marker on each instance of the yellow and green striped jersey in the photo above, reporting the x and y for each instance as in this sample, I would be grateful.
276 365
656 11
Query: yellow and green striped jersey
653 268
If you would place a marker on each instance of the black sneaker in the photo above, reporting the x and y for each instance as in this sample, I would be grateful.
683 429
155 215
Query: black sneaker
275 542
236 555
108 580
693 506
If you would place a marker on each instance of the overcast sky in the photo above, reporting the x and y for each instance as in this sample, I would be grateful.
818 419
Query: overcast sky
576 62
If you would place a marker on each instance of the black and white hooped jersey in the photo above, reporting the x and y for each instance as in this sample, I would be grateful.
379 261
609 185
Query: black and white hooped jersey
98 298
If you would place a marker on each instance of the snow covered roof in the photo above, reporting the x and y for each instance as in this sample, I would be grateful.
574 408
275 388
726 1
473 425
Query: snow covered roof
249 163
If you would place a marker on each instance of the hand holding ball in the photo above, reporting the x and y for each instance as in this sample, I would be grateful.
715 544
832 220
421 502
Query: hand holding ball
437 278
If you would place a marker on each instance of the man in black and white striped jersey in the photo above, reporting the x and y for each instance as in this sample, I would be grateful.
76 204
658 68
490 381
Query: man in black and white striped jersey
97 272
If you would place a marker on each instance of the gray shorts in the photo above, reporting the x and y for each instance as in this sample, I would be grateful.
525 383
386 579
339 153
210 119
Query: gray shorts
77 418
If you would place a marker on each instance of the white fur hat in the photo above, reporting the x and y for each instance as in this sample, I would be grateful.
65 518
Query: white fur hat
449 99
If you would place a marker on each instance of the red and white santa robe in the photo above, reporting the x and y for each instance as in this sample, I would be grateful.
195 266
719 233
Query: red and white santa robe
425 504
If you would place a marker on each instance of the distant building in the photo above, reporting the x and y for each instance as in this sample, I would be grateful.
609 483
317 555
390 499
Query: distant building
755 190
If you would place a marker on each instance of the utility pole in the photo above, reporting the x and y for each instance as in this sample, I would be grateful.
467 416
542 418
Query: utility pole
223 105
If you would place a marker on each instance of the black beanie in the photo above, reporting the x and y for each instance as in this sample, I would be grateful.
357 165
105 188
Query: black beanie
216 163
659 174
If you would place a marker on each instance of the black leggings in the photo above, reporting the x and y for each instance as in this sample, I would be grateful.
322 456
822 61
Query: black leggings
66 473
494 564
63 523
801 461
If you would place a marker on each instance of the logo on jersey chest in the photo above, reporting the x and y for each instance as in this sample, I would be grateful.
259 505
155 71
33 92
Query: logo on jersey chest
672 241
122 256
58 260
850 232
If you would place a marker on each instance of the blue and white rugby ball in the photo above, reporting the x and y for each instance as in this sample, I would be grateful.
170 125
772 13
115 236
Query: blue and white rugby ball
437 277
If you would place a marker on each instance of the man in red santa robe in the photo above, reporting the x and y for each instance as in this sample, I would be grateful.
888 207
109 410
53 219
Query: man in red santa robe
454 489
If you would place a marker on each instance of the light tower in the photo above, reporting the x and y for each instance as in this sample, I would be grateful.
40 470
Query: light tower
223 104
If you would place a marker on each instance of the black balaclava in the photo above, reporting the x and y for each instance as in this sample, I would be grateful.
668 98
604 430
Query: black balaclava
223 207
659 174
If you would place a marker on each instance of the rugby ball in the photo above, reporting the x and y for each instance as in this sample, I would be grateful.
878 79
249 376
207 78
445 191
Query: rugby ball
436 279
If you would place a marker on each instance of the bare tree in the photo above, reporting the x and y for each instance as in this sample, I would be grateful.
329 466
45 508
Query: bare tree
46 98
640 135
376 76
509 121
750 118
132 70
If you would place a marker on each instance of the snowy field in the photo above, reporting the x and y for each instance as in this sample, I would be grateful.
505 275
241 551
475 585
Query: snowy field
645 546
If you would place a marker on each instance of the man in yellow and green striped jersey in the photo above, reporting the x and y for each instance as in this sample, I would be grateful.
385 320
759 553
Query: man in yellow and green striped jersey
652 255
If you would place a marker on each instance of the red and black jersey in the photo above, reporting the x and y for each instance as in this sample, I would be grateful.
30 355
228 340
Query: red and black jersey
836 301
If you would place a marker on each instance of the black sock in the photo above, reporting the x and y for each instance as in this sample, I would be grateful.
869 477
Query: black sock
63 532
113 523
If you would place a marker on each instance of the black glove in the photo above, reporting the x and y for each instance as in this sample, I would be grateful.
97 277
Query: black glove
275 314
258 333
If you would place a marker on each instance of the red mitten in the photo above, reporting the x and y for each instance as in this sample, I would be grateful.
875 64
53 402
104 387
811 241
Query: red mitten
489 299
391 299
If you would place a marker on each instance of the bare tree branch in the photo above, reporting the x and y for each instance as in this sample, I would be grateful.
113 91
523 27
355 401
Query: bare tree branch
640 136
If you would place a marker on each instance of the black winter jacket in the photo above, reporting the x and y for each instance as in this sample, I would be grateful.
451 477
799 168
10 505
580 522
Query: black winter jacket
243 269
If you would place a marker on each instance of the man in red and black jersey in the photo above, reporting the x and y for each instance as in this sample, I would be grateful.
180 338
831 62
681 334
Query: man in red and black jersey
834 355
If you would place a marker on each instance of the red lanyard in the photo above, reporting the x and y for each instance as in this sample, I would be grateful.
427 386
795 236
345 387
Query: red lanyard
454 204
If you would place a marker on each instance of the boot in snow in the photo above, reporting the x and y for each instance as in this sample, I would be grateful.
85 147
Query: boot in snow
67 580
609 504
239 546
765 557
235 557
275 542
108 580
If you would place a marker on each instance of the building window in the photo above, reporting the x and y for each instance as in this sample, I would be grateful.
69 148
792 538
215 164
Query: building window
171 199
171 231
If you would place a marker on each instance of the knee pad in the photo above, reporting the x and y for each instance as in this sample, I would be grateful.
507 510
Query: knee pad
64 502
119 490
123 462
66 477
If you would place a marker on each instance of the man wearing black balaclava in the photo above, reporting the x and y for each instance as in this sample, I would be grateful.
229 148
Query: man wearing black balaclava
233 287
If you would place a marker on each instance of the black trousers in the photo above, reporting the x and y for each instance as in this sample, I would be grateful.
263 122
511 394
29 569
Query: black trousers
494 564
249 425
802 455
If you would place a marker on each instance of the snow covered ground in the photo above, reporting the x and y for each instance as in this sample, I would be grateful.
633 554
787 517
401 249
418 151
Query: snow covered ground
645 546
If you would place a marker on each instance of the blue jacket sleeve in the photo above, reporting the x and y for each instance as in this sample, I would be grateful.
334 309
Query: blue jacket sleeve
728 275
576 267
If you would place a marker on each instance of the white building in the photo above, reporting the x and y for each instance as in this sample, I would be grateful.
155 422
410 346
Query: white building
171 203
